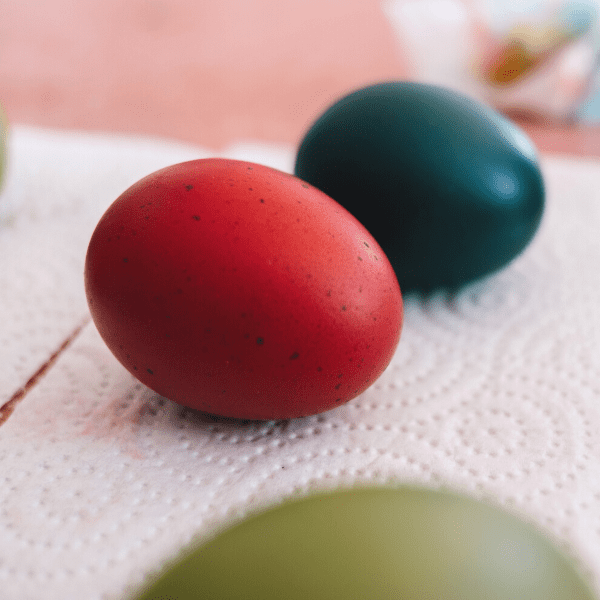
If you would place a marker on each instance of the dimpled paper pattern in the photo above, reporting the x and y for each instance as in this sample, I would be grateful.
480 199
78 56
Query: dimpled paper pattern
494 392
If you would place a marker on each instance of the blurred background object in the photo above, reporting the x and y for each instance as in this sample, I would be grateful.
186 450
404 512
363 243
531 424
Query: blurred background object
533 59
216 73
199 71
437 39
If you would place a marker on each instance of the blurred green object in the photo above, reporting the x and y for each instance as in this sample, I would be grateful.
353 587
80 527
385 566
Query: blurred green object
375 544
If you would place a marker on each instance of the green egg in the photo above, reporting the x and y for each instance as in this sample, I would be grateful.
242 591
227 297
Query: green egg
450 189
374 543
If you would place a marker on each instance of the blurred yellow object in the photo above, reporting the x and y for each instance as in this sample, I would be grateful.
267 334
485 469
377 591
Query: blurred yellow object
512 61
527 46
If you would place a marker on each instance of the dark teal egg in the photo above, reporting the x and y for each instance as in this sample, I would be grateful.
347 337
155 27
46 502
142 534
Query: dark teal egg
374 544
450 189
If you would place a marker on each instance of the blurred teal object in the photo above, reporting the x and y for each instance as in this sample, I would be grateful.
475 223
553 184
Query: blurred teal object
577 17
375 544
589 112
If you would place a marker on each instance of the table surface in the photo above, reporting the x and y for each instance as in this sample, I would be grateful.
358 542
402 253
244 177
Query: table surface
205 72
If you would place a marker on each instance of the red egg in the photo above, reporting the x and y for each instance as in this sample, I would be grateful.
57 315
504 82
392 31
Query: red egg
238 290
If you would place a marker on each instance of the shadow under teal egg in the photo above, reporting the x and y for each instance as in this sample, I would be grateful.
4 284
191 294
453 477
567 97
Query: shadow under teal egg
450 189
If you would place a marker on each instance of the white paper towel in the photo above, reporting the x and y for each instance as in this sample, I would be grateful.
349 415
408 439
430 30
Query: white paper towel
494 391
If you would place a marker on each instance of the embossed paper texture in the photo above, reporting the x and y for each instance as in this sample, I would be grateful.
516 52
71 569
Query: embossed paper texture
494 391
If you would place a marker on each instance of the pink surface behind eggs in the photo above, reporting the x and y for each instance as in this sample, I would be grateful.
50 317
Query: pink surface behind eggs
242 291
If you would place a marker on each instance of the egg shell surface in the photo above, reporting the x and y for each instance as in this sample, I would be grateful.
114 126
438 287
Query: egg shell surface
242 291
451 189
374 544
